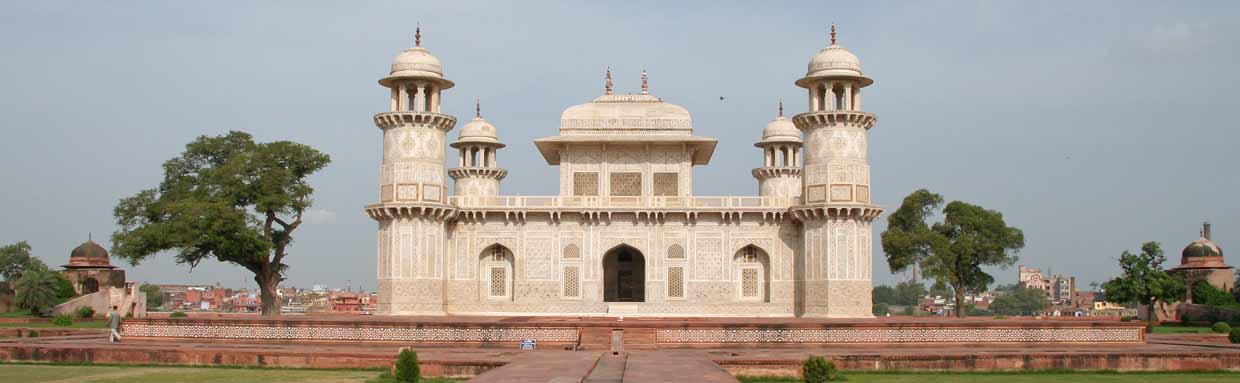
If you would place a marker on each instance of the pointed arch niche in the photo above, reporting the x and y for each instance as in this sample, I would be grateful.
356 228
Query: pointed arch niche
753 274
495 273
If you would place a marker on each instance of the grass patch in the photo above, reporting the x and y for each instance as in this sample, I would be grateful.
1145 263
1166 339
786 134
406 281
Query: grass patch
388 378
113 373
76 324
23 313
1019 377
1181 329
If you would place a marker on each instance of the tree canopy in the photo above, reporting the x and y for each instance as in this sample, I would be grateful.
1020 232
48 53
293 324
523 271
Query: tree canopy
1143 279
953 251
1021 301
225 198
16 259
37 290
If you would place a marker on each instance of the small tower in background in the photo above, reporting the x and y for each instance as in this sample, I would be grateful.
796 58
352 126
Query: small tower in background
780 173
477 173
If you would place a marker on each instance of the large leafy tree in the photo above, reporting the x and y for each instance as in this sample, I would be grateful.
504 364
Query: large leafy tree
954 251
225 198
37 290
1021 301
1143 280
154 298
15 259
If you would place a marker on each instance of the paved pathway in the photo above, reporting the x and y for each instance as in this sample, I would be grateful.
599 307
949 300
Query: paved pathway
587 367
543 366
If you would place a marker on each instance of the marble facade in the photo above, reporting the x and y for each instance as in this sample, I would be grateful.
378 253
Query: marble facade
626 235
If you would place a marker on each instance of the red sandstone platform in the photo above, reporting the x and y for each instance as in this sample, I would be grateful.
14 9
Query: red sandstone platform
588 333
1178 352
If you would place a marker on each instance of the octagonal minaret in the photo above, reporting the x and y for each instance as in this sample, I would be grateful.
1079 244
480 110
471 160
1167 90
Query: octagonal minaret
780 174
413 202
836 213
477 173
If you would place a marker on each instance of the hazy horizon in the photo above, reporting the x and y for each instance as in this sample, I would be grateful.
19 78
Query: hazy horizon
1091 126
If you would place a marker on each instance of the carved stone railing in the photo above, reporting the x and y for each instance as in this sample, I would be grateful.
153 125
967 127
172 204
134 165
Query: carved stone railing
754 203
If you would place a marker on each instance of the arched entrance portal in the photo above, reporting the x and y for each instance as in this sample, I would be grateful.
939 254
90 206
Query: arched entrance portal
624 275
91 285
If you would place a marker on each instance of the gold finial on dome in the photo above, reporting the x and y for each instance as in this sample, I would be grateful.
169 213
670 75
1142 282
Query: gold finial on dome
832 33
607 85
417 36
645 85
477 107
781 107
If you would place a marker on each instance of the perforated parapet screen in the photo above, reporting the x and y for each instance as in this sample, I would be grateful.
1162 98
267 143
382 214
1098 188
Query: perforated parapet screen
572 276
572 251
626 184
676 282
750 283
676 252
585 184
499 282
666 184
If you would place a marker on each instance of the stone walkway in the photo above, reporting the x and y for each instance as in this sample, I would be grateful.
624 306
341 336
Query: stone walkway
593 367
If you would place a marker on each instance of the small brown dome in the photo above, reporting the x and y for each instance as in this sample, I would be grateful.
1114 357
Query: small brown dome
1202 253
1202 248
89 255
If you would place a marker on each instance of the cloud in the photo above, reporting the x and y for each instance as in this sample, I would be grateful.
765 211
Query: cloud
319 216
1177 37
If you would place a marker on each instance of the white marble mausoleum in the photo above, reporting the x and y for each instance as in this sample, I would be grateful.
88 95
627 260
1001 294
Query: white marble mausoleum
626 235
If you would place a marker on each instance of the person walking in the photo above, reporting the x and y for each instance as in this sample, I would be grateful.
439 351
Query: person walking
114 323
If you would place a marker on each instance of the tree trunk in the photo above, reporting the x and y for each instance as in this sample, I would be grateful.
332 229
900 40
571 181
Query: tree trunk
1149 316
267 286
959 302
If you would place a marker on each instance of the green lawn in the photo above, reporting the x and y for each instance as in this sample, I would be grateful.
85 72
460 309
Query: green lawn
149 374
76 324
1178 329
1024 377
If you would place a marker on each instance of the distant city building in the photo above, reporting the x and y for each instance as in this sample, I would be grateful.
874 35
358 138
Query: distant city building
318 288
1059 290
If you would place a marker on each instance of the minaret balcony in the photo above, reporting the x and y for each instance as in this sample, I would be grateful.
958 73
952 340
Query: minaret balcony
390 120
777 171
809 120
477 172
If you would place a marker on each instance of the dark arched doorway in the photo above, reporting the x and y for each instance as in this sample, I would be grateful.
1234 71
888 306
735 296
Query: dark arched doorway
91 285
624 275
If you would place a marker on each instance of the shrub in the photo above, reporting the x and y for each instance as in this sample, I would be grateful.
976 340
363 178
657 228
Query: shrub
1000 317
407 366
1128 318
33 334
177 314
63 320
85 312
818 369
1234 337
1221 328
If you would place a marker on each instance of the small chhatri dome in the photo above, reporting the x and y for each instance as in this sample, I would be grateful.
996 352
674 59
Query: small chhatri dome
478 130
89 255
835 61
781 129
1203 251
417 62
